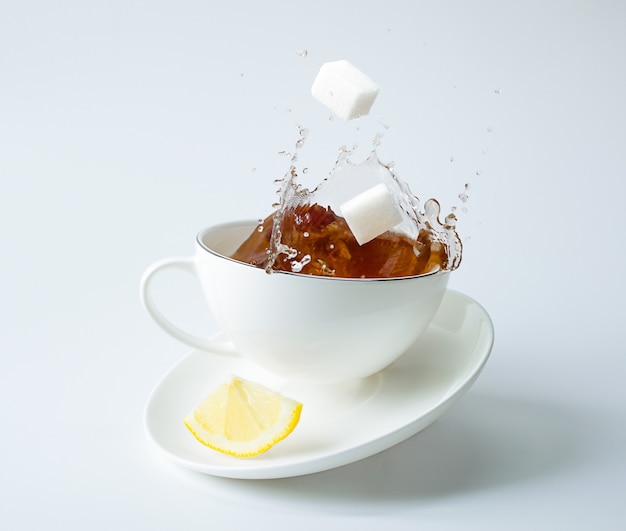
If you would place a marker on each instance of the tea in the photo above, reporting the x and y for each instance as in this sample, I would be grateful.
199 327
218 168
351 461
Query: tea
321 243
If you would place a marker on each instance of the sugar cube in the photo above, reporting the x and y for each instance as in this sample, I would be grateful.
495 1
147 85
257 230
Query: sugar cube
371 213
344 89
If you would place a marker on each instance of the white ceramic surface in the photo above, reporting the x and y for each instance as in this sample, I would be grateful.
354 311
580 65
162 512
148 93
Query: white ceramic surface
340 423
302 327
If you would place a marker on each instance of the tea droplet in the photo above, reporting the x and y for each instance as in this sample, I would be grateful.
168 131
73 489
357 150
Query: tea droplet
463 196
450 221
303 136
296 266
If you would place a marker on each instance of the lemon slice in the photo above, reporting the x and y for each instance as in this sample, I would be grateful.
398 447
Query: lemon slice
243 418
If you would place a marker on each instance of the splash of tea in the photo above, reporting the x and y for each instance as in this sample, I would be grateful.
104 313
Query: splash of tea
307 233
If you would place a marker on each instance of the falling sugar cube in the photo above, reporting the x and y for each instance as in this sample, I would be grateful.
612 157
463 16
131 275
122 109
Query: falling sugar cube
344 89
371 213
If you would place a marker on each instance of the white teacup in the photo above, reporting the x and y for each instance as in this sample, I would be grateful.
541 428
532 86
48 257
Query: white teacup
300 327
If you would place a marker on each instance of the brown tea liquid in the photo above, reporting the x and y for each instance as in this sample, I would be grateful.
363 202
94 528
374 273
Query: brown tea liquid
319 242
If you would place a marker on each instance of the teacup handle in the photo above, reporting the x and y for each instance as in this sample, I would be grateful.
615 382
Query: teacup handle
185 263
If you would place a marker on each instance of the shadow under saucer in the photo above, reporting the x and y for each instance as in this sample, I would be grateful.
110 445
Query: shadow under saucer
483 443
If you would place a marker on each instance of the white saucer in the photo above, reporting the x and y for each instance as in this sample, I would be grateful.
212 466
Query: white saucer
342 423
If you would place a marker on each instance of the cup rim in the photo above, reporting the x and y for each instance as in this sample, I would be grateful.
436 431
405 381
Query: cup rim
243 223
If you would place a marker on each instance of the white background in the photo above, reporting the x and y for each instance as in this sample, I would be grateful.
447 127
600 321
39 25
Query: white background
127 126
